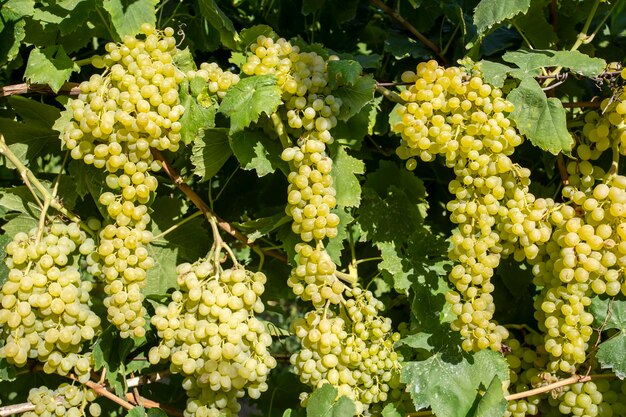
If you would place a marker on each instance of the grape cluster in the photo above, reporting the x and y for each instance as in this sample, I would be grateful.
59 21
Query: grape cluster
356 356
210 335
583 399
314 279
455 114
117 119
45 313
67 400
527 362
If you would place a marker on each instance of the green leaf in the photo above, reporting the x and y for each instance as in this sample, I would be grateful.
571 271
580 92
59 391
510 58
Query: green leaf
540 118
34 112
21 200
257 228
249 36
137 411
355 96
492 403
88 181
323 403
127 16
417 341
19 223
252 96
216 18
4 270
210 152
196 117
535 26
12 35
343 72
490 12
402 46
345 169
256 151
335 246
610 313
156 412
391 411
451 387
494 72
49 66
163 276
12 10
531 62
612 354
8 372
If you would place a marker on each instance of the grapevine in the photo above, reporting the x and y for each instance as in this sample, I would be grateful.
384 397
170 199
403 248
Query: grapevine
312 208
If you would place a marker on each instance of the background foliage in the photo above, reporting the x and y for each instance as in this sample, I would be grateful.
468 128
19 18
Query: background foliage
394 223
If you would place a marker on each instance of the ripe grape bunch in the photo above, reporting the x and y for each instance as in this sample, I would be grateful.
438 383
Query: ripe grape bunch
354 353
45 309
117 119
67 400
453 113
210 334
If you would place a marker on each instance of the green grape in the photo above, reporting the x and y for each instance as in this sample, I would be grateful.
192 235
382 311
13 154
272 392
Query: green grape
211 335
45 312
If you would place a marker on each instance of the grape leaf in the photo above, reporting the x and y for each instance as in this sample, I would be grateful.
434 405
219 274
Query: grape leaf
531 62
156 412
34 112
4 270
355 96
16 9
417 341
610 313
8 372
492 403
335 245
391 411
491 12
196 117
494 72
19 223
21 200
127 16
216 18
402 46
345 168
540 118
210 152
260 227
109 352
137 411
12 35
450 387
245 101
256 151
343 72
323 403
535 26
49 66
249 35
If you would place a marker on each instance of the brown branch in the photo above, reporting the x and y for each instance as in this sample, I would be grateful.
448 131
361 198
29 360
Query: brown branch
9 410
574 379
71 89
408 26
560 163
103 392
202 206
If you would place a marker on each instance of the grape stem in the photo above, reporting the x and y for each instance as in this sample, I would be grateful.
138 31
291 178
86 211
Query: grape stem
206 210
574 379
279 127
408 26
13 409
349 278
30 179
388 94
177 225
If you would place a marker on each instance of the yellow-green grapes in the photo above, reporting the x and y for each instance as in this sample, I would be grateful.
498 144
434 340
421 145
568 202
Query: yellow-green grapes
354 354
117 119
66 401
211 336
45 310
218 81
455 114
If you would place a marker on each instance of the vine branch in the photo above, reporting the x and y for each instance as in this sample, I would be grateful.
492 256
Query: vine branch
71 89
408 26
206 210
574 379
